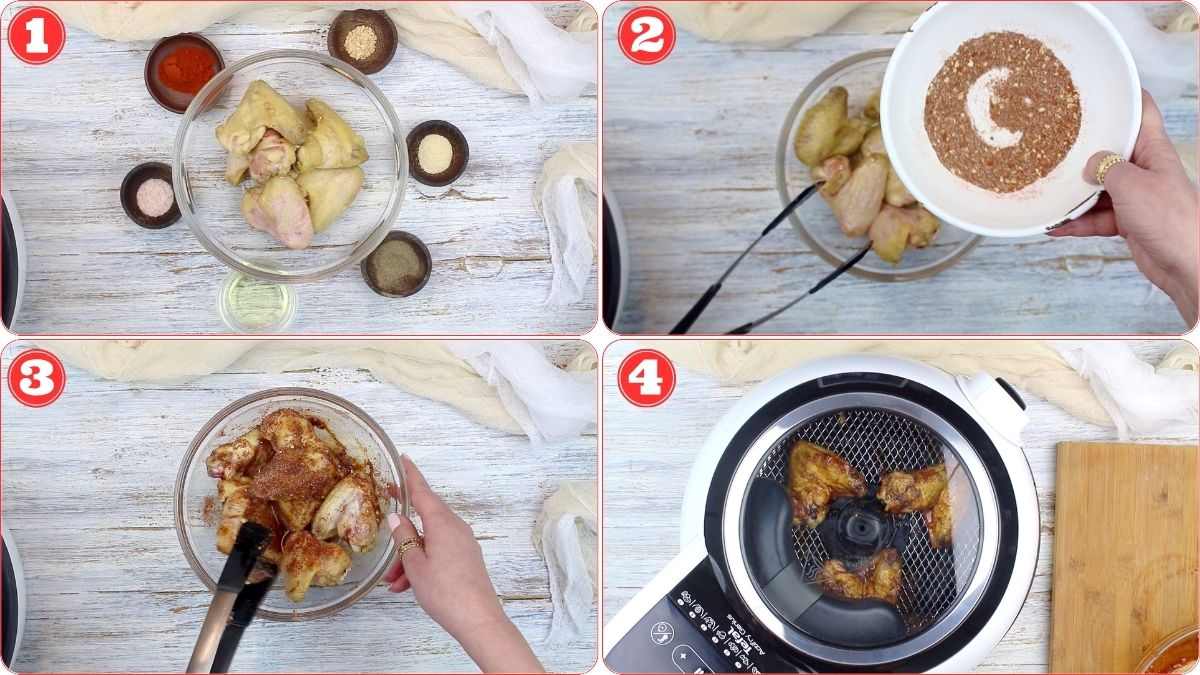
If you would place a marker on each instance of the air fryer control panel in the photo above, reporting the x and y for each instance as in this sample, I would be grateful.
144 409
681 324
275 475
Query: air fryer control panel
693 630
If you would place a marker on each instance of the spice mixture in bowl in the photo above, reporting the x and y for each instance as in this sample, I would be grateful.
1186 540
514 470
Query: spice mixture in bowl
365 455
213 208
990 111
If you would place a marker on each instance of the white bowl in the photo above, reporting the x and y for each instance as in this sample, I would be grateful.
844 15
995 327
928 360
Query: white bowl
1110 97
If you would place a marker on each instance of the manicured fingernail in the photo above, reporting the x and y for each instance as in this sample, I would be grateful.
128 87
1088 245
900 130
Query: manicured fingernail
393 521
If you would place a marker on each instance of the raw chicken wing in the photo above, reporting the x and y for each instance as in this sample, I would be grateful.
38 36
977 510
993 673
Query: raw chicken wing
308 561
279 209
332 143
350 511
330 192
304 466
241 458
238 506
816 477
261 108
273 156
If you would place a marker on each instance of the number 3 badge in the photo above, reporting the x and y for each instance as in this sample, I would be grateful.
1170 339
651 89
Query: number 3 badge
36 378
646 35
646 378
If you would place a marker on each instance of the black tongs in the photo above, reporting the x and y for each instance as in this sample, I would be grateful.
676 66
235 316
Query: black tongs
244 583
685 324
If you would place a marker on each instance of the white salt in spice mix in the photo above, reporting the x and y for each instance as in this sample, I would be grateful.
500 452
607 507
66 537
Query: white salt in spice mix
434 154
155 197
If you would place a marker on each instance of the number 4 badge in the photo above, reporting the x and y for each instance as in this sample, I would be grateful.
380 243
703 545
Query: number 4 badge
646 378
646 35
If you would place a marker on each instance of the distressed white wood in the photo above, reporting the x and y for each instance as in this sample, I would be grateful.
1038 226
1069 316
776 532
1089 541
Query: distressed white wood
689 155
88 489
72 129
648 454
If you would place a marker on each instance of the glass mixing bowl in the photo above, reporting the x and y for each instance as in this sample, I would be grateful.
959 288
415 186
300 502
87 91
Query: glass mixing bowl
212 207
861 75
198 512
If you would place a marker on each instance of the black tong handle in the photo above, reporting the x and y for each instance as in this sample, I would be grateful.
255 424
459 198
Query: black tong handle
685 324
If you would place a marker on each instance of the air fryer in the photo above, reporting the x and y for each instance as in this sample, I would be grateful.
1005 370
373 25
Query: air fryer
760 576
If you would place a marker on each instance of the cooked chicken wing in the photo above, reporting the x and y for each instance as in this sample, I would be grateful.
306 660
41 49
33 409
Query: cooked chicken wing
940 522
909 491
308 561
241 458
877 578
238 506
350 511
816 477
304 466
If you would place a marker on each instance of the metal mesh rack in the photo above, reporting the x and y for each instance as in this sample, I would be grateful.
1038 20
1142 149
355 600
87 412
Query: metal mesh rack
875 442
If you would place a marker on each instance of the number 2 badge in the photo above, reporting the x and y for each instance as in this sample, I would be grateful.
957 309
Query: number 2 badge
646 35
36 378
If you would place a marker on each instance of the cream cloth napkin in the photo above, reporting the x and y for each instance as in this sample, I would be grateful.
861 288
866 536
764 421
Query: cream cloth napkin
781 23
429 369
566 534
508 46
1108 386
565 195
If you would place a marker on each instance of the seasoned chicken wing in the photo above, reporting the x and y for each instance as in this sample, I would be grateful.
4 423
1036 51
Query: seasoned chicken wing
350 511
241 458
909 491
297 513
308 561
940 522
878 577
304 466
816 477
238 506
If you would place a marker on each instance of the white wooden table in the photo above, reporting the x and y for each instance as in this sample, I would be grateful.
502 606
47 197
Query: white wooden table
88 488
689 155
648 454
72 129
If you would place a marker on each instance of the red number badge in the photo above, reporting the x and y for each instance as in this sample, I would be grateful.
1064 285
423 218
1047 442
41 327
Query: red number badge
646 35
36 35
646 378
36 378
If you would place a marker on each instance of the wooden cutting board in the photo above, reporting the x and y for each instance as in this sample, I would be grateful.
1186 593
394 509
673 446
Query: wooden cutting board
1125 553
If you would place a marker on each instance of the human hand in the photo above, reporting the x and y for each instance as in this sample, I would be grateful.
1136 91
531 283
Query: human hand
450 581
1151 203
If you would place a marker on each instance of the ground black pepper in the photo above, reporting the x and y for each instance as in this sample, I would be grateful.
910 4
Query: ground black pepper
1037 100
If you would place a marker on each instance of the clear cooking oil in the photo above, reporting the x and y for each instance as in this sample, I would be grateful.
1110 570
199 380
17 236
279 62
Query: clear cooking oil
249 305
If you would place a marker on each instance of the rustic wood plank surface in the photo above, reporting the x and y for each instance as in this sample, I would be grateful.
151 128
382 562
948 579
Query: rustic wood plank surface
88 485
71 130
689 156
648 454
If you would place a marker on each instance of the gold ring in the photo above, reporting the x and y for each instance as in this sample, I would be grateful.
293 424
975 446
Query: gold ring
1110 160
409 544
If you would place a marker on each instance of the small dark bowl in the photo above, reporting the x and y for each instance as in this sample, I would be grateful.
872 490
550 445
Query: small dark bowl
385 34
129 187
175 101
422 253
458 162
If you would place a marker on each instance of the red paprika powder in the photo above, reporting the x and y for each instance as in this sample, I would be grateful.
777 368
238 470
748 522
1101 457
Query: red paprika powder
187 69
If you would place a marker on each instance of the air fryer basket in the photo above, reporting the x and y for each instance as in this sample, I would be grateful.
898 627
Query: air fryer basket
876 441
